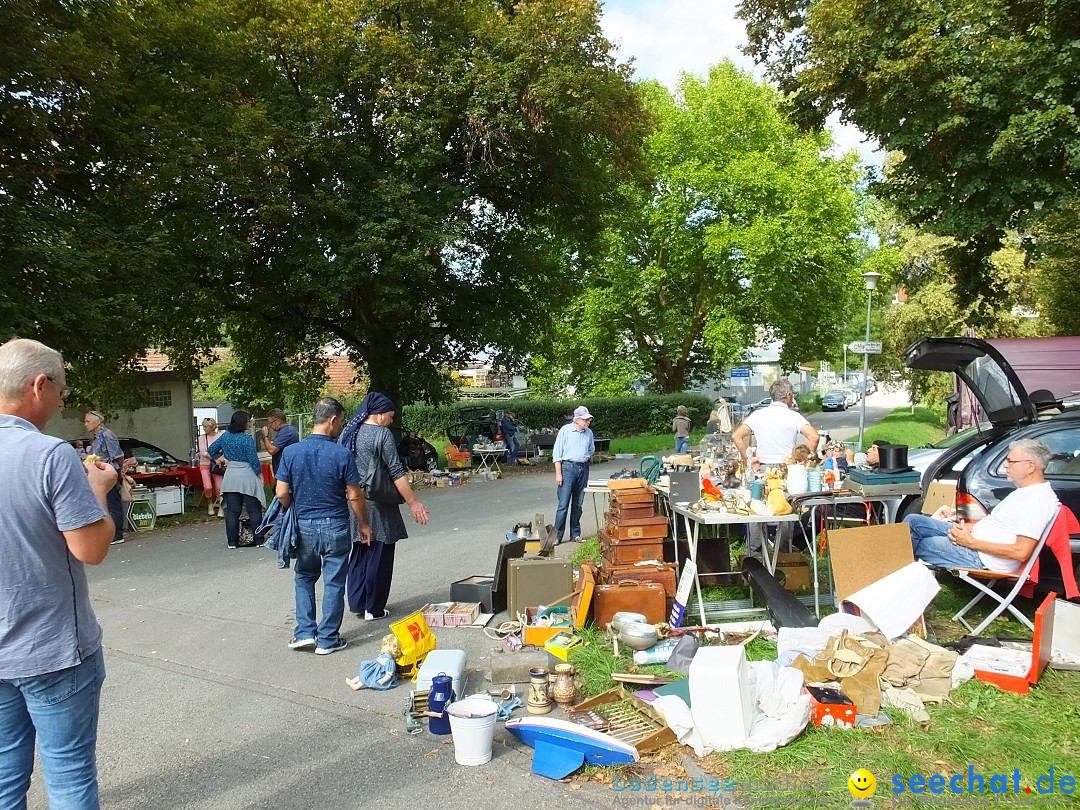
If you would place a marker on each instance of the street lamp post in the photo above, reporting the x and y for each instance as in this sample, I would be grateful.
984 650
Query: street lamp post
871 280
844 379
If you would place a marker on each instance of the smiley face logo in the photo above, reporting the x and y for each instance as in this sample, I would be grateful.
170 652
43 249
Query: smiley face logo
862 784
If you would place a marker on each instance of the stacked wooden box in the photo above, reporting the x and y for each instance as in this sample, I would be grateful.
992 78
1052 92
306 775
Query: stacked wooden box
634 534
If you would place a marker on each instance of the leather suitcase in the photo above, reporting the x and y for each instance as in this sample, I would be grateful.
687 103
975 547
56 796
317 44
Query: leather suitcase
631 496
646 598
665 575
628 552
618 528
632 511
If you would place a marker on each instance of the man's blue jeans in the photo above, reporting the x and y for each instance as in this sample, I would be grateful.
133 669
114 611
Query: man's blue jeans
571 494
930 542
60 709
322 549
682 444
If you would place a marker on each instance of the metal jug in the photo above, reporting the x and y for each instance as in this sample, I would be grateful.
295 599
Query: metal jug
440 696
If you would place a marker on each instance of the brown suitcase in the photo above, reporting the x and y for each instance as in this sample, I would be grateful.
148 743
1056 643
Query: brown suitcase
628 552
646 598
632 511
636 528
665 575
628 496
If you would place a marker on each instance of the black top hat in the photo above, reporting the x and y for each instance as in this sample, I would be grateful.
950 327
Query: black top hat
893 458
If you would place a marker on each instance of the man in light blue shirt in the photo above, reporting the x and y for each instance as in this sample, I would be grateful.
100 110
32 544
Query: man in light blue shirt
53 521
573 450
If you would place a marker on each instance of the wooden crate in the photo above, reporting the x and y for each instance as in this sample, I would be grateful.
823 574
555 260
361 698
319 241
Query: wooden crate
625 717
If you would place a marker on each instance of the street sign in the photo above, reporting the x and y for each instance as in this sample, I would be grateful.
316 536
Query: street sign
742 371
865 347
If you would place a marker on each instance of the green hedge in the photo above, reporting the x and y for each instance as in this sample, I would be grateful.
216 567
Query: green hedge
612 416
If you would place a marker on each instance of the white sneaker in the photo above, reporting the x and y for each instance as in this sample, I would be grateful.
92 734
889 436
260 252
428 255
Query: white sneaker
117 542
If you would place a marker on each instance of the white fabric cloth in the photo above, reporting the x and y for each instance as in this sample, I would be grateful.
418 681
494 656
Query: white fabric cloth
776 431
1023 512
896 601
781 710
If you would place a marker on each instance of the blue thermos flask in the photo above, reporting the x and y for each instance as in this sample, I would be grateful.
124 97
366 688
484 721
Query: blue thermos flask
440 696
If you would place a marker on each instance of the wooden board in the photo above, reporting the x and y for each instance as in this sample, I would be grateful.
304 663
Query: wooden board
866 554
939 493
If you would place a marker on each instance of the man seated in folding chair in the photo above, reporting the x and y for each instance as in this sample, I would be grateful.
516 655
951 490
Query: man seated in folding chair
1005 543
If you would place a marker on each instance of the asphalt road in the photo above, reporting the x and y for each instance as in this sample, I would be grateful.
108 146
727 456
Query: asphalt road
845 424
204 706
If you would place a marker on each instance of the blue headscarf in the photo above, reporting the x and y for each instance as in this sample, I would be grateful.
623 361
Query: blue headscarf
373 403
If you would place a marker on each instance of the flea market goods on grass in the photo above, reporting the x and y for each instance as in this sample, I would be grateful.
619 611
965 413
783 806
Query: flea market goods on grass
901 704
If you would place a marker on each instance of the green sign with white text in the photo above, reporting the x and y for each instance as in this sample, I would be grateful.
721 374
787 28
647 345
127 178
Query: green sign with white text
141 516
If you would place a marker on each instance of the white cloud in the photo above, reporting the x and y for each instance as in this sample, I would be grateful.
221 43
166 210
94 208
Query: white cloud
670 37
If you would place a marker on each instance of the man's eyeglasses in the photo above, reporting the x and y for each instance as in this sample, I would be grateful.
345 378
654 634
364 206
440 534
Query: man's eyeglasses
65 392
1017 460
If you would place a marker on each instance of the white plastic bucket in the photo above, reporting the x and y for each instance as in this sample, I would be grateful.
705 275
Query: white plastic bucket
797 481
472 722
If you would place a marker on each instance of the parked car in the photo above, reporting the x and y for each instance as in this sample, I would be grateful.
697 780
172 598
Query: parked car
478 425
852 398
765 403
835 400
975 458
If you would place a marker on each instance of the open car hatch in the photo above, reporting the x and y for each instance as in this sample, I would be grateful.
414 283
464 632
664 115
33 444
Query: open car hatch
991 379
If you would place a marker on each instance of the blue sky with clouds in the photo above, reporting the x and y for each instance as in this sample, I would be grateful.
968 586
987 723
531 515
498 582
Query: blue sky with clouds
668 37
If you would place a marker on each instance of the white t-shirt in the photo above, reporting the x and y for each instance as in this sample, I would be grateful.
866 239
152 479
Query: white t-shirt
1025 511
776 431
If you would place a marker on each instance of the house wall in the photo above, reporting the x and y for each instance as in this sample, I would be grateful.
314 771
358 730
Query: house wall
169 426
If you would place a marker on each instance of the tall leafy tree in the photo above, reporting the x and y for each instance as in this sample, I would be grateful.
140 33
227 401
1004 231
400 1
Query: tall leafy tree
746 224
409 182
981 99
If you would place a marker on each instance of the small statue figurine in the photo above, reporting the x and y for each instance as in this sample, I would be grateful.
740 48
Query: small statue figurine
382 672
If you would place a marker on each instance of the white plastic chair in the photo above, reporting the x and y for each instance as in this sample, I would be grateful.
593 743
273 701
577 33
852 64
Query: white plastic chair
1004 600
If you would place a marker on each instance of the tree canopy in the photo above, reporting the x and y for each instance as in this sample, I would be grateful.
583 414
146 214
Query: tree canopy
412 183
745 223
981 99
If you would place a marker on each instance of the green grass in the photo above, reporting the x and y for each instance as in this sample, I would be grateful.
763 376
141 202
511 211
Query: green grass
904 427
992 730
654 443
809 403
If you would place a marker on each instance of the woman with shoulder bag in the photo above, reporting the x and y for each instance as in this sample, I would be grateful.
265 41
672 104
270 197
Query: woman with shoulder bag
213 470
371 566
242 485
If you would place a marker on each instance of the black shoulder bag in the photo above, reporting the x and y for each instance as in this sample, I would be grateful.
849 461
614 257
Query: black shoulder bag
379 486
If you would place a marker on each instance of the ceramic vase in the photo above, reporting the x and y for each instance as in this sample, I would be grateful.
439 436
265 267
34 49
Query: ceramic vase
538 702
565 691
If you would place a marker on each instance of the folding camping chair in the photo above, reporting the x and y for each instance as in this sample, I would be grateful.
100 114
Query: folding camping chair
1004 600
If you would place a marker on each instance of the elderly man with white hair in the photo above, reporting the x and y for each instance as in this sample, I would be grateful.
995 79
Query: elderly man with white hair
1003 540
52 521
107 448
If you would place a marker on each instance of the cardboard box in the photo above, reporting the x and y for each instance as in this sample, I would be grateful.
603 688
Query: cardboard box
461 613
830 707
433 614
863 555
562 644
938 494
579 606
793 570
622 484
459 463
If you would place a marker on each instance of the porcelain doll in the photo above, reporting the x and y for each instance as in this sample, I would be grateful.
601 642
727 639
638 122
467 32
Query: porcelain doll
380 673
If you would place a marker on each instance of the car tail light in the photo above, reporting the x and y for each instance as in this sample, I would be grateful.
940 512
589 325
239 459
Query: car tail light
969 508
